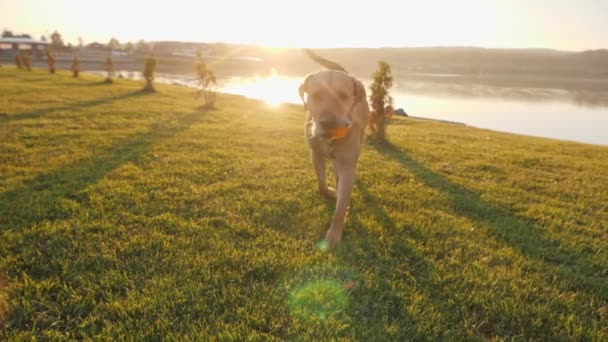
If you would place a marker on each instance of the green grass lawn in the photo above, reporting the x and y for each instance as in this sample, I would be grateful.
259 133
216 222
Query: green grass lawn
142 215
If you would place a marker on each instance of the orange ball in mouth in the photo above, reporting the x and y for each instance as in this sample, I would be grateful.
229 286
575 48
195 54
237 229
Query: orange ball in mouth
339 132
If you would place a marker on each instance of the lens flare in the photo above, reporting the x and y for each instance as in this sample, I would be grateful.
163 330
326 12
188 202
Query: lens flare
320 299
320 293
323 245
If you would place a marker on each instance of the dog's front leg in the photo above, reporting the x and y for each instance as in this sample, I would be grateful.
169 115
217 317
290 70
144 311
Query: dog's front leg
345 188
336 176
318 162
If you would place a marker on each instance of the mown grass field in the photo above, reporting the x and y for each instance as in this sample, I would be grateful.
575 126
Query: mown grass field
143 216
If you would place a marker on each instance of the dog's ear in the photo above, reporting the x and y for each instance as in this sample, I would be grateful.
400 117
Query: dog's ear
303 90
360 110
359 90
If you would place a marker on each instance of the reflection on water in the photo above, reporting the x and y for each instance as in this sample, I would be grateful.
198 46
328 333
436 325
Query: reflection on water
585 98
552 113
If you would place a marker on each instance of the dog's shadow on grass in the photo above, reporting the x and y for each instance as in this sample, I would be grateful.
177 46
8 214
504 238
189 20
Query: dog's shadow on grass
40 198
522 235
38 113
390 256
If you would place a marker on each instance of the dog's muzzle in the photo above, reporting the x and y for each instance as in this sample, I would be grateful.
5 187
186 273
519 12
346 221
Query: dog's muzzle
333 123
332 127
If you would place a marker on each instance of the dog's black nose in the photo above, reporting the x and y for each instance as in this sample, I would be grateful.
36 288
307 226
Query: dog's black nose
329 123
333 123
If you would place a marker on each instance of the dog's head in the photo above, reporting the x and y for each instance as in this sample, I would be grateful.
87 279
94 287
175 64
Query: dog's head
330 98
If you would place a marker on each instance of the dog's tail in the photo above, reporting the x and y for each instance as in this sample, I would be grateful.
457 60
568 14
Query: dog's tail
324 62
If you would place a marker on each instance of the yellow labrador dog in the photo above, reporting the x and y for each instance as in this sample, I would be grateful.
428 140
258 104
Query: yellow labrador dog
337 113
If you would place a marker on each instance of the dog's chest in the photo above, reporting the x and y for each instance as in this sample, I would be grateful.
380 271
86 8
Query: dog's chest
324 147
328 148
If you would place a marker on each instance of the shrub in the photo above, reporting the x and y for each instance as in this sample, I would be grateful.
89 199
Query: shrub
109 66
381 101
18 60
50 60
76 67
207 81
27 61
149 69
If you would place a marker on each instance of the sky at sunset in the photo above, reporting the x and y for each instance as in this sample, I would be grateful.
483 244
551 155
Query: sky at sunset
564 25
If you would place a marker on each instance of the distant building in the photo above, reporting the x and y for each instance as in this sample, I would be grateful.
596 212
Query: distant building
15 44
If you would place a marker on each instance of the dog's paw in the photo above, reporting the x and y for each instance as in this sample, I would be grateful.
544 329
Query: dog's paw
328 193
333 237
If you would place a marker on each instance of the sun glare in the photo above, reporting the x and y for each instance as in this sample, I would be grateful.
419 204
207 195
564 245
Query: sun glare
272 89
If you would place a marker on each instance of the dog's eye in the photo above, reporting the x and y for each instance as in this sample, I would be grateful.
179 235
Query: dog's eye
343 96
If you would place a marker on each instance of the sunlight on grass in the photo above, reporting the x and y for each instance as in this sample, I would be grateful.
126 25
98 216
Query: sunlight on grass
4 307
134 214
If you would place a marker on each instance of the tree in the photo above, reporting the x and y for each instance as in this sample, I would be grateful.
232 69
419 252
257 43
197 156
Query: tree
142 46
57 40
380 99
113 44
129 47
206 80
7 34
149 69
43 38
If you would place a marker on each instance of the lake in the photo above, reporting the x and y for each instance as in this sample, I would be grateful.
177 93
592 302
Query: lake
550 113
